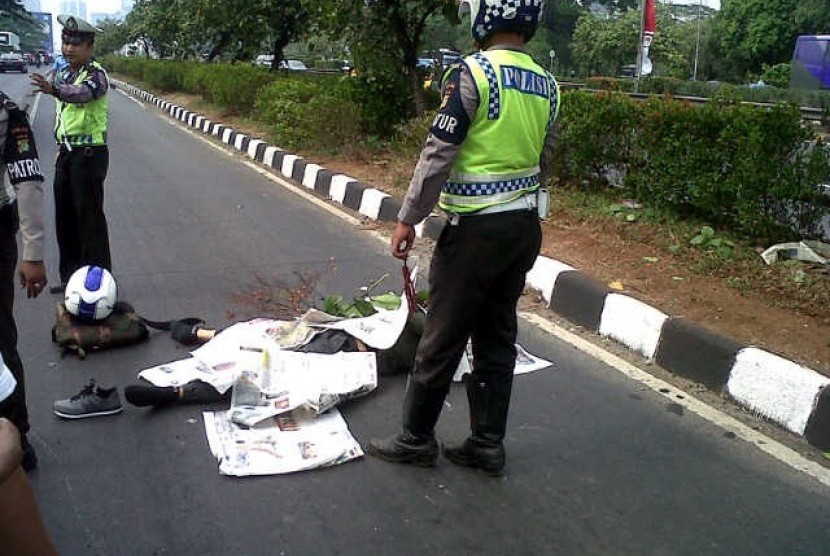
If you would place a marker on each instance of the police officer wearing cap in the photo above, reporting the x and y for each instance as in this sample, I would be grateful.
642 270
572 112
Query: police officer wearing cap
482 164
80 89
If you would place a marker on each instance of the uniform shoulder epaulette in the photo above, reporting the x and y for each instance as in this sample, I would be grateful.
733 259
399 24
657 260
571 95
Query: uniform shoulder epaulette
459 65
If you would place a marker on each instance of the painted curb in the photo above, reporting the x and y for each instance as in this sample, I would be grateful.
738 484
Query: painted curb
791 395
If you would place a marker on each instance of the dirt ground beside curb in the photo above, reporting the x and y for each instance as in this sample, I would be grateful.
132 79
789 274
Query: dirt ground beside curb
645 270
604 252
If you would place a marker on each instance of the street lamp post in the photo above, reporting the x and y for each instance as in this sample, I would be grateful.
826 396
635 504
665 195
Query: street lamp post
697 44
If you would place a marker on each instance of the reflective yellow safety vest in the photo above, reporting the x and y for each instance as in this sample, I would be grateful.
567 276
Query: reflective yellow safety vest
83 124
499 158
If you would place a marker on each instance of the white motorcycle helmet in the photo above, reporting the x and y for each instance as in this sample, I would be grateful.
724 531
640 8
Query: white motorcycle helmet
489 16
91 293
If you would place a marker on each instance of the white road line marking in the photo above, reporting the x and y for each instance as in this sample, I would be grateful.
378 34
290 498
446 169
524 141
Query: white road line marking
676 395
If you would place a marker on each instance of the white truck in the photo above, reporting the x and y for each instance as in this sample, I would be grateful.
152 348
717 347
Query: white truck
9 41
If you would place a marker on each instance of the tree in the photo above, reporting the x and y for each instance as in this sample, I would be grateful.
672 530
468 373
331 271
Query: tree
559 20
285 21
602 46
15 18
235 29
113 36
753 32
396 27
617 6
158 24
812 17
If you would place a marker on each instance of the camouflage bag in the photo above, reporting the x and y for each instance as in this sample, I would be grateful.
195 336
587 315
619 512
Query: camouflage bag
122 328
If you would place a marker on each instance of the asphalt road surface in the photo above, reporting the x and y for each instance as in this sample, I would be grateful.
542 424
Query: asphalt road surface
598 464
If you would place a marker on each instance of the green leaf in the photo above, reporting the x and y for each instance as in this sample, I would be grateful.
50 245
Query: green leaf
389 301
697 240
707 231
333 305
364 308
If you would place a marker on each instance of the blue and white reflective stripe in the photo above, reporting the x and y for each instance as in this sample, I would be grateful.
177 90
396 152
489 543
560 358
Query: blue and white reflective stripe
494 100
476 189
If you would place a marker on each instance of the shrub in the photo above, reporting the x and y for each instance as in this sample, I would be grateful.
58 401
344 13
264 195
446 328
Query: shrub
596 134
737 167
309 111
236 87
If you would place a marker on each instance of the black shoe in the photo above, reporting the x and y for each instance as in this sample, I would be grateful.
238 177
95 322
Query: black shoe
406 448
486 458
29 461
60 288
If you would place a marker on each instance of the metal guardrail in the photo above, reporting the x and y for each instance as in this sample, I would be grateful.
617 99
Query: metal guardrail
807 113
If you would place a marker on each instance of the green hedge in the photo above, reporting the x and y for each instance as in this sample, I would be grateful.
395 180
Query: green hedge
301 111
742 168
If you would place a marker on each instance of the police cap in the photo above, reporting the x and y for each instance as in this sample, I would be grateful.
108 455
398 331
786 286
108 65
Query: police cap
74 25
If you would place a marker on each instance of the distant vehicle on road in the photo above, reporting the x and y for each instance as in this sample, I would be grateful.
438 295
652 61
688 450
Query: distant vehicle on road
293 65
425 63
811 62
9 41
264 60
12 61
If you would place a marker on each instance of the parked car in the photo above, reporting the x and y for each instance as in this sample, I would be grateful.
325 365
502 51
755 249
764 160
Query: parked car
293 65
12 61
264 60
425 63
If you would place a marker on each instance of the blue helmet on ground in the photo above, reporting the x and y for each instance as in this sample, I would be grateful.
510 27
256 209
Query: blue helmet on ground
91 293
490 16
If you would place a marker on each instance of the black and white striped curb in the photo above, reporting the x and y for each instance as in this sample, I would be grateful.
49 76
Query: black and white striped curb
794 396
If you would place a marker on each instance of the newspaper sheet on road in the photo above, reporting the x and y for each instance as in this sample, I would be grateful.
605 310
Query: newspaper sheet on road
287 443
379 331
315 381
288 380
525 363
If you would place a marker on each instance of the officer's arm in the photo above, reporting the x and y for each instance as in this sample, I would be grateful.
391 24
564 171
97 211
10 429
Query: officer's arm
93 87
459 102
551 140
30 207
27 181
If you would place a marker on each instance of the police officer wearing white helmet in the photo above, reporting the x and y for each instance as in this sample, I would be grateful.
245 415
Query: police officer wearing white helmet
482 164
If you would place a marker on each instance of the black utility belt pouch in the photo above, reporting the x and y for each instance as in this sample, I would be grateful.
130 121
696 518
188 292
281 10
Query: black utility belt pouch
122 328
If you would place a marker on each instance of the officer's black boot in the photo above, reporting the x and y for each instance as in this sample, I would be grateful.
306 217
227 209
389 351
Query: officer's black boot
483 449
416 444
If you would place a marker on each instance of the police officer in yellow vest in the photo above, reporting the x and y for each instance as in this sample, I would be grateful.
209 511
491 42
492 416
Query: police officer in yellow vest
481 165
80 89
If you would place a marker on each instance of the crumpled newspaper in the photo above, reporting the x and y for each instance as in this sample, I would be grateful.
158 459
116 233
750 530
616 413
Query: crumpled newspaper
805 251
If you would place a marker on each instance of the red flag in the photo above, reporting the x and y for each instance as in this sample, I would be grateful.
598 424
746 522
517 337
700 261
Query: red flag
649 25
649 21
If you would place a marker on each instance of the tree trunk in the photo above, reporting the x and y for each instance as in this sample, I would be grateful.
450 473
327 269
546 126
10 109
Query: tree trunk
279 45
417 92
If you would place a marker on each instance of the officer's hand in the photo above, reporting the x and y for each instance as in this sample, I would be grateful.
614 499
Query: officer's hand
33 277
402 240
11 454
42 84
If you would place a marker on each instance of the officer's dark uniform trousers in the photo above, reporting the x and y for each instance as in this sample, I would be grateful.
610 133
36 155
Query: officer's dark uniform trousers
476 277
14 407
80 223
